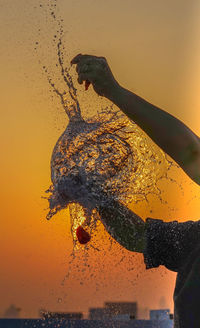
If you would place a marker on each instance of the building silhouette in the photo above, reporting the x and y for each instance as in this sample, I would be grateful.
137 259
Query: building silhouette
61 315
114 311
99 314
123 308
112 315
159 314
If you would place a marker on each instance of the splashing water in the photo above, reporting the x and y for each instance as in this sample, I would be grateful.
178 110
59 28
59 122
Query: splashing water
105 155
99 158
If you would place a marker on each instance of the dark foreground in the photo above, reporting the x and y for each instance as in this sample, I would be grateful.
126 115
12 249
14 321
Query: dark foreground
40 323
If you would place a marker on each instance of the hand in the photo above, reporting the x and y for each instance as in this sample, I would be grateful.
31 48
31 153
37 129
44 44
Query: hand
95 70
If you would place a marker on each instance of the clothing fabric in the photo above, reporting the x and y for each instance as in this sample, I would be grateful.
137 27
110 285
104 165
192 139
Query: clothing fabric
177 246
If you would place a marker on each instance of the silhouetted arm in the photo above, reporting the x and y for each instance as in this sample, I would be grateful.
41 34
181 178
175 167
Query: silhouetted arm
169 133
127 228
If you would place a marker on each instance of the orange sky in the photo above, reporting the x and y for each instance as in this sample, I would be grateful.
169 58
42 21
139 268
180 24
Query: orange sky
153 50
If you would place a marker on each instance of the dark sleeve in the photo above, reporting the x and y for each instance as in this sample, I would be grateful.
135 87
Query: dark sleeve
170 243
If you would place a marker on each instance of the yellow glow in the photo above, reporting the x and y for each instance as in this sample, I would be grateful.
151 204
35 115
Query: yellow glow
153 50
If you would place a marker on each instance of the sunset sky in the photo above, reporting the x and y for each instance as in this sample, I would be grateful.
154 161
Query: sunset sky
153 50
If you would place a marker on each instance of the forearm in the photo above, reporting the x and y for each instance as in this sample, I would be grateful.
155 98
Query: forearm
169 133
127 228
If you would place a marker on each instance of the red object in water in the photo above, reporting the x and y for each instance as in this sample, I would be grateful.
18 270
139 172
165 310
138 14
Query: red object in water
87 84
82 235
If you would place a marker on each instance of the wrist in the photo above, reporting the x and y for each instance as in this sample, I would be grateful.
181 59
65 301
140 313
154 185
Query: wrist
113 92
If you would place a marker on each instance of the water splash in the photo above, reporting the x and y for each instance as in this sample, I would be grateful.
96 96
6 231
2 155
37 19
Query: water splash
105 156
99 158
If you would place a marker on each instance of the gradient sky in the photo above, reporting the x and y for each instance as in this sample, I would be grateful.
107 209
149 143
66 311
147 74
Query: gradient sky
153 49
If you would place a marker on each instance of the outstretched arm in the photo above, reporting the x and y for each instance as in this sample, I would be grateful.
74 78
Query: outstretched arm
169 133
127 228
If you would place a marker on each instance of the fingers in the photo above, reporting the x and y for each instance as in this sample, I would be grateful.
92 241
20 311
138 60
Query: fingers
89 68
86 58
83 68
76 59
84 72
81 57
84 77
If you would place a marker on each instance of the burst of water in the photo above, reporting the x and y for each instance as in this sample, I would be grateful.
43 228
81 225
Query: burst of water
103 157
100 158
